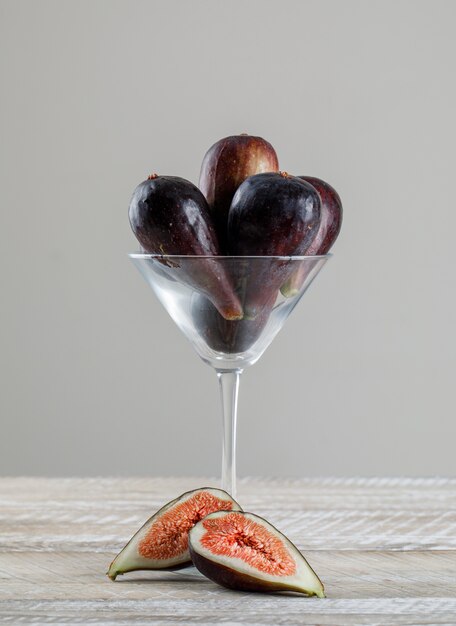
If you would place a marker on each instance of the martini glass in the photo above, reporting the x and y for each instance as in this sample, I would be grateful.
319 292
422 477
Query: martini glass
230 308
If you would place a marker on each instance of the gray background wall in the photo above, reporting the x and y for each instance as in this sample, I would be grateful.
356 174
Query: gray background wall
96 94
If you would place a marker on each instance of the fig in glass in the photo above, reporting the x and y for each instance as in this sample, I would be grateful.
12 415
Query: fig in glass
272 214
169 216
228 336
327 233
225 166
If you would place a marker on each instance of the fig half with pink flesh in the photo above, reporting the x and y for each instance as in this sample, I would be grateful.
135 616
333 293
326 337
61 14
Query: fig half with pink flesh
162 543
243 551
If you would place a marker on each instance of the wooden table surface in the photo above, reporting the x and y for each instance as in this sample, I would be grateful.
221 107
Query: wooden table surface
385 549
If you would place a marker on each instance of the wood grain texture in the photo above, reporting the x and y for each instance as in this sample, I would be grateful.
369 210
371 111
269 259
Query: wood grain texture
385 549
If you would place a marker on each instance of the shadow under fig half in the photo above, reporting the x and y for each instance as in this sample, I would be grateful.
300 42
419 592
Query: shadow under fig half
189 574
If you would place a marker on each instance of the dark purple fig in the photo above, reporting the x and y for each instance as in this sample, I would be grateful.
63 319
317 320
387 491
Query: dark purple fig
331 216
170 216
243 551
271 215
327 233
228 336
162 543
225 166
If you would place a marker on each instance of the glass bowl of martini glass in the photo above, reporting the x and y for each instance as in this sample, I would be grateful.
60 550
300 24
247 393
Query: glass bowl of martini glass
230 308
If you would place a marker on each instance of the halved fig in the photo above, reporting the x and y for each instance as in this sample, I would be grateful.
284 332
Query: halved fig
162 543
243 551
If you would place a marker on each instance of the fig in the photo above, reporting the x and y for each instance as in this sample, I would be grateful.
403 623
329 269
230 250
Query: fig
271 214
327 233
243 551
225 166
169 216
162 543
228 336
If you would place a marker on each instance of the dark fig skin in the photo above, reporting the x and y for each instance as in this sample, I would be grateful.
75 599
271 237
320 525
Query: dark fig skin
330 225
228 336
225 166
331 216
231 579
271 214
169 216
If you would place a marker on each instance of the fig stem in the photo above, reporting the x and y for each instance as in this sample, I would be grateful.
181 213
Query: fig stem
229 388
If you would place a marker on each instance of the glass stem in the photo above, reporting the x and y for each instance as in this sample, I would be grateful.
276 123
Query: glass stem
229 387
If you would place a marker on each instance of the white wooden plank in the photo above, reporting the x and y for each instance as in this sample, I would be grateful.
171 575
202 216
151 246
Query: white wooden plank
279 611
57 537
346 574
